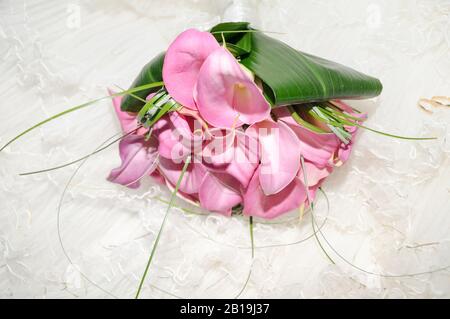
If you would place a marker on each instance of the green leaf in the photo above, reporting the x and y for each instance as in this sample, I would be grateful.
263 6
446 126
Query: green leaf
237 36
152 72
242 47
232 31
245 44
297 77
292 77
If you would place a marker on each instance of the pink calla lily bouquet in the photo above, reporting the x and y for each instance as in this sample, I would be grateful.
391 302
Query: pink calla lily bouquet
236 122
249 150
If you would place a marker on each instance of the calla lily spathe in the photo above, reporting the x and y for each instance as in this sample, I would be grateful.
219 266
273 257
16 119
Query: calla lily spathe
226 96
258 204
280 149
220 193
322 149
280 175
139 158
200 74
235 153
182 63
216 190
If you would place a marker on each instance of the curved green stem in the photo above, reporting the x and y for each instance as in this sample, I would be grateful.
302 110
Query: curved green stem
302 163
84 157
247 31
302 122
155 245
253 257
81 106
337 118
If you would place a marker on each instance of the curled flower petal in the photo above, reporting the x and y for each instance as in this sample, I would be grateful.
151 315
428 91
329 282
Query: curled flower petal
344 153
314 174
226 96
318 148
235 154
192 178
257 204
217 195
139 158
177 136
171 129
183 61
280 154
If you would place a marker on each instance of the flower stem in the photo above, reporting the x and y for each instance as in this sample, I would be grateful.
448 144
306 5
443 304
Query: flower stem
155 245
252 239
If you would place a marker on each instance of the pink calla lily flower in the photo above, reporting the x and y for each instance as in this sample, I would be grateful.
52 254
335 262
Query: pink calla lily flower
320 152
182 63
283 143
216 190
192 178
293 196
219 193
280 149
258 204
176 137
235 153
314 174
277 186
318 148
322 149
225 95
139 158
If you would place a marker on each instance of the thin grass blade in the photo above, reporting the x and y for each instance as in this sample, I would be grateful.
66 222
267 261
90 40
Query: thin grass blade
98 150
155 245
253 257
311 204
79 107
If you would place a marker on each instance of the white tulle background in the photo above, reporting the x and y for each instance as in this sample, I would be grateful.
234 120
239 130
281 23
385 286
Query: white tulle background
389 205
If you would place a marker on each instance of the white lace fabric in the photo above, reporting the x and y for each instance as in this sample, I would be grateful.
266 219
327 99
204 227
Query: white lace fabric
389 205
